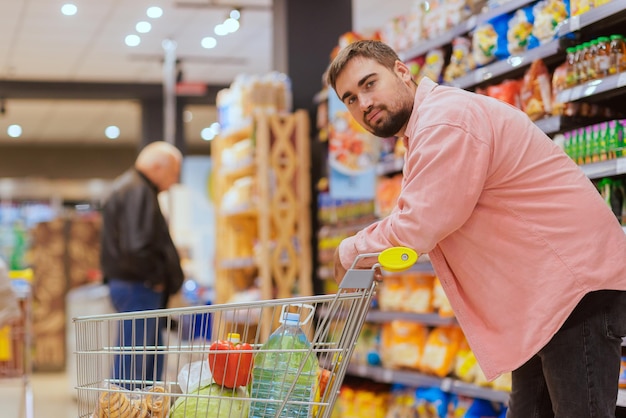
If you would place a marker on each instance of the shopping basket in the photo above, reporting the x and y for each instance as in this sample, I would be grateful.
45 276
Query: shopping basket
112 379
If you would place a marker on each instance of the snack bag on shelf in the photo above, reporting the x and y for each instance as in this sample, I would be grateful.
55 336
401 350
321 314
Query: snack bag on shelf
489 40
433 65
387 192
559 84
402 344
508 91
465 364
502 382
466 407
367 348
401 402
435 19
440 300
461 59
414 27
415 66
394 33
418 292
536 92
391 293
432 402
519 33
440 350
549 16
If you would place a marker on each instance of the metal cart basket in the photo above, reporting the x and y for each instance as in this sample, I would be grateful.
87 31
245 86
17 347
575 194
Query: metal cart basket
112 379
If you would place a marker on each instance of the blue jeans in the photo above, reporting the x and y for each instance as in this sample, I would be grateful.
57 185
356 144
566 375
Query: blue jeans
138 366
576 374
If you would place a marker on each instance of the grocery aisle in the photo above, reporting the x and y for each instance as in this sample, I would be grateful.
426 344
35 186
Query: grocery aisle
52 397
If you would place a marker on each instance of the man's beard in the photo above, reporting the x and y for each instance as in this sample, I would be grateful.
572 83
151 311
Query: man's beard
391 124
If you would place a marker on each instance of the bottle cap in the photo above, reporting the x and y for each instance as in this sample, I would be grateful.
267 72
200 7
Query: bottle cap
292 318
233 337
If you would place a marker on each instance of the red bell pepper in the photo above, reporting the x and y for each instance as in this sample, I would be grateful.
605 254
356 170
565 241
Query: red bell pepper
231 368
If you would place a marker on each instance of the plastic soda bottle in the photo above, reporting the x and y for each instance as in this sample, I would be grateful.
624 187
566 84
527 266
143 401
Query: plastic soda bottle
286 358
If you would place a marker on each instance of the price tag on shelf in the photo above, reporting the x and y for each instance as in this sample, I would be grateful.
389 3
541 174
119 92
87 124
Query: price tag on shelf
574 23
479 75
446 384
621 80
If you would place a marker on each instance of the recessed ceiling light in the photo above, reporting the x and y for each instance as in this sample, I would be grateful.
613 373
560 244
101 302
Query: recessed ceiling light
14 131
207 134
231 25
143 27
154 12
208 42
69 9
221 30
215 127
235 14
132 40
112 132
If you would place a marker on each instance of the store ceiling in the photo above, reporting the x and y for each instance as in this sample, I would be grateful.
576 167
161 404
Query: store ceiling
37 42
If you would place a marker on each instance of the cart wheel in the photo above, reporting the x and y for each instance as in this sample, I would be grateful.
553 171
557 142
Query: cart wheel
397 259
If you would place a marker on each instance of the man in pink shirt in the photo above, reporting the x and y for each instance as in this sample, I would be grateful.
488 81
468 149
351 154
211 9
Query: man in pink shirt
531 258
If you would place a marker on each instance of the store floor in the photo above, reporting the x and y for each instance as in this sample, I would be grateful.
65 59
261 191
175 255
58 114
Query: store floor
52 397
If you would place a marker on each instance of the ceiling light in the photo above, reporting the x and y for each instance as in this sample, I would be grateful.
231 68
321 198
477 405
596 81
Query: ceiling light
112 132
208 42
235 14
143 27
207 134
215 127
220 30
132 40
154 12
231 25
187 116
69 9
14 131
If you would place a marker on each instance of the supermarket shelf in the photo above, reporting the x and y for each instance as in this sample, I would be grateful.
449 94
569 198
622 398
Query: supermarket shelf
614 10
504 67
444 39
601 88
447 37
410 378
605 168
432 319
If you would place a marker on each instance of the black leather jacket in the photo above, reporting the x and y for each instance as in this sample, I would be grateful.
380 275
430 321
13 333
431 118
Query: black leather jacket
136 243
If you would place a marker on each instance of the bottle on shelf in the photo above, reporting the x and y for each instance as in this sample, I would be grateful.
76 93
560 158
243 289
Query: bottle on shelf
617 49
286 358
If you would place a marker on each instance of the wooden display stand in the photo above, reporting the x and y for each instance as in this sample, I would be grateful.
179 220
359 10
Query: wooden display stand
270 238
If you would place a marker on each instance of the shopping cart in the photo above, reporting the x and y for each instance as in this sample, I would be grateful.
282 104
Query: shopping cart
15 344
187 387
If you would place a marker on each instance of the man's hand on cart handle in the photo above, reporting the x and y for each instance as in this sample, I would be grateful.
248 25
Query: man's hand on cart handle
340 271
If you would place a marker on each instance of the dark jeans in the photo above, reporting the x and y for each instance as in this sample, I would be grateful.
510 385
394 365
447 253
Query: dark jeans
576 374
138 366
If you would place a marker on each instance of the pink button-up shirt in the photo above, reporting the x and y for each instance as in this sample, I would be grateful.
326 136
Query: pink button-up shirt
516 232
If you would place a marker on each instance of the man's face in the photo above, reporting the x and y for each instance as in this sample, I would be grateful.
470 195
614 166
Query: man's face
379 99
